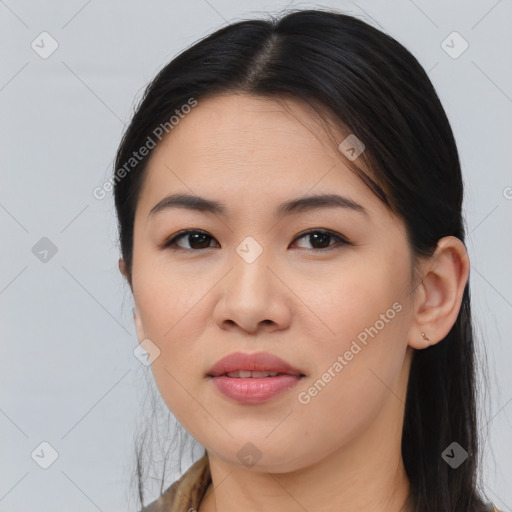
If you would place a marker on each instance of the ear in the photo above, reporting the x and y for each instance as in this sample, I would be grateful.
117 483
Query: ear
124 270
438 298
138 322
138 325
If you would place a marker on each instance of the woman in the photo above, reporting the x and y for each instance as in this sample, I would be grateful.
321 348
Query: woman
289 200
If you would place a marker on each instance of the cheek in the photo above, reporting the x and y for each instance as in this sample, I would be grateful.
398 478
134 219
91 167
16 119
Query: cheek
166 299
365 313
355 369
350 302
173 319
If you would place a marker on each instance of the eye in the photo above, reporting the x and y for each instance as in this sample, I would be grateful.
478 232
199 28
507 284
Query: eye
195 238
198 240
322 237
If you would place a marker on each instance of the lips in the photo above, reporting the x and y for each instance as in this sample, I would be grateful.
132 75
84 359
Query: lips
253 379
258 362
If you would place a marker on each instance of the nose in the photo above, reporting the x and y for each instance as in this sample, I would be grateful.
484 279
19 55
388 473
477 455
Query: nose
252 297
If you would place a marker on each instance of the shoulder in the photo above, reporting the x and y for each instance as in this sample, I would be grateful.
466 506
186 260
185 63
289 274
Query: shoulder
489 507
186 492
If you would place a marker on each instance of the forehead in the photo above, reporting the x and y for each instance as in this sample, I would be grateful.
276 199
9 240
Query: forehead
247 144
238 129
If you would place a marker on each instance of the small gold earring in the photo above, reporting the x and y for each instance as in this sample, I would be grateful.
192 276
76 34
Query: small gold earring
424 336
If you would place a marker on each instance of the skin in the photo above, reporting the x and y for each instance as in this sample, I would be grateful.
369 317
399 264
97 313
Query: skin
298 300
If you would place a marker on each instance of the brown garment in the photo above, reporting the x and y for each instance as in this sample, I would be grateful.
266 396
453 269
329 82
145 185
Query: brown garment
186 494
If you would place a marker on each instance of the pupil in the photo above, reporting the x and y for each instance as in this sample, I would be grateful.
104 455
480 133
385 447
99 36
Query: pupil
194 237
323 236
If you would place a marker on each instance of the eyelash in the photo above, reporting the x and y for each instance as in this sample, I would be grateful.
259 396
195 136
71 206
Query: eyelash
171 243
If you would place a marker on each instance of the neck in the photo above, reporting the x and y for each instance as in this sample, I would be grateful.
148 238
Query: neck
322 488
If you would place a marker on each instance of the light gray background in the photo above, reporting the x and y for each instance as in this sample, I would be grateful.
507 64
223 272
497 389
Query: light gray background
69 376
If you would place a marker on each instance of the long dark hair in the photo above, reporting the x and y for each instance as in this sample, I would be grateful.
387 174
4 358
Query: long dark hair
369 85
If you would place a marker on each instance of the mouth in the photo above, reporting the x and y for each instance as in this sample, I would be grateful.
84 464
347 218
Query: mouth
247 374
253 378
255 366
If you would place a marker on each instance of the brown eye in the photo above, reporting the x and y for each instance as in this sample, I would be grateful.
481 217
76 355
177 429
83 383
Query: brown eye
196 239
320 239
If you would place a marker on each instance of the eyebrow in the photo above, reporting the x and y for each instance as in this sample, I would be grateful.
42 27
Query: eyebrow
298 205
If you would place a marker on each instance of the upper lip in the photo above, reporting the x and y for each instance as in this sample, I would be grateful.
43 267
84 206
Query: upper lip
260 361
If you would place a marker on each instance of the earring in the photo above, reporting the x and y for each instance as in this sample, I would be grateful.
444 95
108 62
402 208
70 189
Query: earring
425 337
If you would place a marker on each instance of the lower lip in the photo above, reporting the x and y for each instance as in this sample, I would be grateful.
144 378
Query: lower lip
253 390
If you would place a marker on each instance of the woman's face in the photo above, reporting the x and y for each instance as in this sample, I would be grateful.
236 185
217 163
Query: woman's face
253 280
